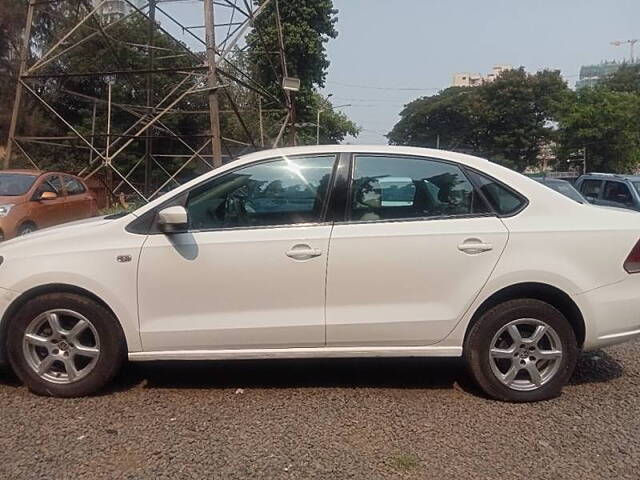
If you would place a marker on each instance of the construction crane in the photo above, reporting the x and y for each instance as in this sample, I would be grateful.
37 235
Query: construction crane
631 43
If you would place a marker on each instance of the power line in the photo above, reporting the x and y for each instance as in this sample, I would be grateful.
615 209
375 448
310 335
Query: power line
400 89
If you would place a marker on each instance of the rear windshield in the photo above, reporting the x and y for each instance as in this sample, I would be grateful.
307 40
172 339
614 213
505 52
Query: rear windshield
566 189
14 184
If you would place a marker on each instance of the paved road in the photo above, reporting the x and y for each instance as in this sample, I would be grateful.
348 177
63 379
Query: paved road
326 419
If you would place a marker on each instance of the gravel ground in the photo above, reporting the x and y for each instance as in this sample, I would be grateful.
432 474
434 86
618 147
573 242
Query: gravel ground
396 418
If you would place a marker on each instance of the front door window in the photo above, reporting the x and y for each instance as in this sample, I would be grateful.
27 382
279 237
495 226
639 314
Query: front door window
288 191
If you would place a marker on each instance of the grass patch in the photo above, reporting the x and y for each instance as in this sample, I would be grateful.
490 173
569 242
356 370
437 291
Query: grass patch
405 461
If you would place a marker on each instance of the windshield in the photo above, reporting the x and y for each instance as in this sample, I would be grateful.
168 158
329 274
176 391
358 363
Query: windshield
14 184
636 185
567 190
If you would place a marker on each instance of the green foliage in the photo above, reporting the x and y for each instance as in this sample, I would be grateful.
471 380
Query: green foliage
508 120
607 124
334 125
307 26
626 79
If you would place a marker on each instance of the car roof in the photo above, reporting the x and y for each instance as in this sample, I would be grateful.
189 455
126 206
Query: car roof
23 171
33 171
611 176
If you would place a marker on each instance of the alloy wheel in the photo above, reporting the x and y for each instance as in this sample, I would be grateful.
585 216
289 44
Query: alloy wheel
61 346
525 354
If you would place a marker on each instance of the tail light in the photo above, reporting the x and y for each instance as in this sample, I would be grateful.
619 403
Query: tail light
632 263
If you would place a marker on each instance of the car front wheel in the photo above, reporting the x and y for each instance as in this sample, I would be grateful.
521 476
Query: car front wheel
521 351
65 345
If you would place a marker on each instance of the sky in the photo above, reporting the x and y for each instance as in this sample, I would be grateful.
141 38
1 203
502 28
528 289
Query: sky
390 52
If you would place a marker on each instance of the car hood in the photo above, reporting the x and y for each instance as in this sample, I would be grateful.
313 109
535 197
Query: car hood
14 199
57 231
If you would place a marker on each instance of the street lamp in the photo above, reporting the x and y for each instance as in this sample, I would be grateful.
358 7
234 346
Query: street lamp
320 110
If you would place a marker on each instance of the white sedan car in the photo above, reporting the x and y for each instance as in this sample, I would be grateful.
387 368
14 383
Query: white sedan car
336 251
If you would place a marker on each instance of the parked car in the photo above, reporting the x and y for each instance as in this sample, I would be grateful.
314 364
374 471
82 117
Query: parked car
563 187
610 190
336 251
31 200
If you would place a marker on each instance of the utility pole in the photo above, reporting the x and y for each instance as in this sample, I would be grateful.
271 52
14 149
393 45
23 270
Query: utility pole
261 122
24 54
320 110
109 173
285 74
212 82
148 143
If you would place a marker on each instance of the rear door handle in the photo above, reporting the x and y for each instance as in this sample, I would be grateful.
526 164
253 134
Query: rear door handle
475 247
303 252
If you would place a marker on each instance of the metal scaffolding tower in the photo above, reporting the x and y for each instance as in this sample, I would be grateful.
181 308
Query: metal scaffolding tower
211 74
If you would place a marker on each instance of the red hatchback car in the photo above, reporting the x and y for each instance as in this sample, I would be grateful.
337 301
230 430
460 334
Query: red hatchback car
31 200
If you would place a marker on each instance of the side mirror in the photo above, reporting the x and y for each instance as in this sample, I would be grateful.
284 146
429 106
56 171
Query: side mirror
173 219
48 196
591 199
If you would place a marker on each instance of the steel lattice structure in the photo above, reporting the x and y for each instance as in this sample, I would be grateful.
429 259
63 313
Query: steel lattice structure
211 74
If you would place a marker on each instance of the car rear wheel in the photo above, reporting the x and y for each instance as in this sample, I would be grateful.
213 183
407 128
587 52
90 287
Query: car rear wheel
65 345
521 351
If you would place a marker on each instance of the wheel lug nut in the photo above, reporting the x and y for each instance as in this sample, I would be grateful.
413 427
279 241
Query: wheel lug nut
56 351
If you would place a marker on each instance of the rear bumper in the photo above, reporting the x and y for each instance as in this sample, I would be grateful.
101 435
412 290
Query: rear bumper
611 313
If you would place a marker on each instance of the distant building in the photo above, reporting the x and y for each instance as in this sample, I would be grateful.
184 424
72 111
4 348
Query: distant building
476 79
113 10
591 75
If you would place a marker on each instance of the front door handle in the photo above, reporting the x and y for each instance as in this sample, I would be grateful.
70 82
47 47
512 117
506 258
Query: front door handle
303 252
474 246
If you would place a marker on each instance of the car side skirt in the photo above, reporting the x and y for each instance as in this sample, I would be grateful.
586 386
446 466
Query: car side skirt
314 352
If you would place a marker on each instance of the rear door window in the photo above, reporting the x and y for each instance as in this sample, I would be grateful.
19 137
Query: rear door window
503 200
73 185
396 188
617 192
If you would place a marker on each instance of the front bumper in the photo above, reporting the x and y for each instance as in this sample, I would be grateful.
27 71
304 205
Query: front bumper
611 313
6 298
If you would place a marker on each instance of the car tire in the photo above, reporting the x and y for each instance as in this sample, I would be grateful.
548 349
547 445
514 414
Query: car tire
65 345
503 361
26 227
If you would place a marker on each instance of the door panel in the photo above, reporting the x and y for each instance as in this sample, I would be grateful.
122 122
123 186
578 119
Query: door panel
47 213
419 243
233 289
78 203
407 283
252 271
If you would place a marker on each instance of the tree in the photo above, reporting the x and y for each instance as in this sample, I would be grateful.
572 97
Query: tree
443 119
307 25
12 22
607 124
508 120
626 79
